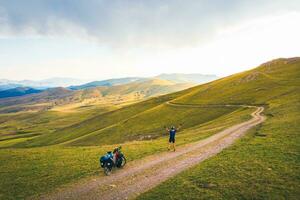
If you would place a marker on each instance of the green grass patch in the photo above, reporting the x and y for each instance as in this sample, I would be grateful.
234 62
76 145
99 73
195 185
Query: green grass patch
151 124
265 164
262 165
33 171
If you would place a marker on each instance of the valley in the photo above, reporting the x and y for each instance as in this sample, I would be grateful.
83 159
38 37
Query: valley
56 108
149 100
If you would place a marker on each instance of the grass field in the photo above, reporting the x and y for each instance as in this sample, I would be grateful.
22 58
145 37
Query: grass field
31 116
263 165
64 147
21 126
32 171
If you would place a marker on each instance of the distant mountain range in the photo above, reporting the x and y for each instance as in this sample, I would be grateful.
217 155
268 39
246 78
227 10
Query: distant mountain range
42 84
175 78
19 91
108 82
116 94
10 88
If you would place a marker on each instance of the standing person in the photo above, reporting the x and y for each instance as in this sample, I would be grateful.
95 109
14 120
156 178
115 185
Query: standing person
172 132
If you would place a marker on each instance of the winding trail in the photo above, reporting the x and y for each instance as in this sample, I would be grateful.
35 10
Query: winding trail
141 175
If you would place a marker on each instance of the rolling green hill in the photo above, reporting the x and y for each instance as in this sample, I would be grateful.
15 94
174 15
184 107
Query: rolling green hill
256 86
135 90
268 81
264 164
44 113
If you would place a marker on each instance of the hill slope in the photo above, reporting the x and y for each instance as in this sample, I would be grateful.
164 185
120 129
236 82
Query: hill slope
263 165
256 86
37 114
118 94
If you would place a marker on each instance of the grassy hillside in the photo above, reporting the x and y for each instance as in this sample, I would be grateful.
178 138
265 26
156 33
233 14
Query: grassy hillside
262 165
139 127
133 91
33 171
129 123
34 115
18 127
257 86
65 98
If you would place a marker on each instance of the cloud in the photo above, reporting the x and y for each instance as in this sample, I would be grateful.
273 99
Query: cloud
132 23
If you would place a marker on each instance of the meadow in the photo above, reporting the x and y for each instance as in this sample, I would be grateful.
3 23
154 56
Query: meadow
62 148
265 164
29 172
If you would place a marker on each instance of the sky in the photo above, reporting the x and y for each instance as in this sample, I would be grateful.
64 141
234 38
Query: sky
99 39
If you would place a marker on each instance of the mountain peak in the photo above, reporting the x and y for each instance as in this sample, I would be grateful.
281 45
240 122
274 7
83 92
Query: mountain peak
281 61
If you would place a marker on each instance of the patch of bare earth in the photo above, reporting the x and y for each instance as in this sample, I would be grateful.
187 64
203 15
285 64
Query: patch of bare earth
142 175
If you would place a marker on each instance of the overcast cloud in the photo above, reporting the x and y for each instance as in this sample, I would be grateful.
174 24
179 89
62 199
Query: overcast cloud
98 39
135 23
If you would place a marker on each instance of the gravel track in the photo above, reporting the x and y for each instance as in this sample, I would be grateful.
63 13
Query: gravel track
141 175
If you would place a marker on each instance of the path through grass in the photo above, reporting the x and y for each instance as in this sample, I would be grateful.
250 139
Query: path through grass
263 165
32 171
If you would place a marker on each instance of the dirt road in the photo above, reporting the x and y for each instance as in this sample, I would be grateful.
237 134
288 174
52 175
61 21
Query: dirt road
142 175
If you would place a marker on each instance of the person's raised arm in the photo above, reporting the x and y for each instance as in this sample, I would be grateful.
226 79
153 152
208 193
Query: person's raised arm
179 127
167 129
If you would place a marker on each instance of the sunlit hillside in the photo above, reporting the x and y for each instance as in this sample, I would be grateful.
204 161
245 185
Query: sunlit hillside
252 87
